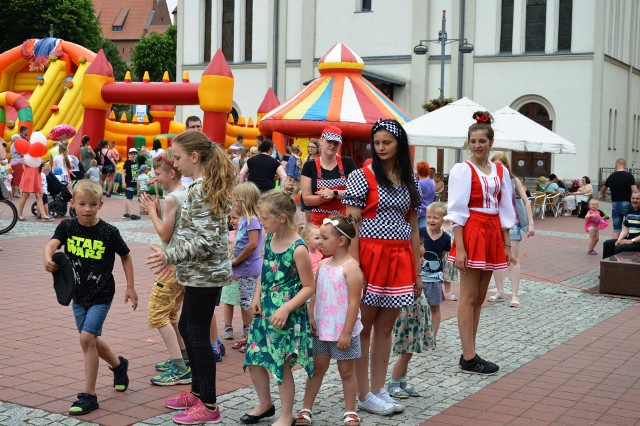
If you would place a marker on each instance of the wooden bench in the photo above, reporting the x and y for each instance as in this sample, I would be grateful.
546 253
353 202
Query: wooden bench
620 274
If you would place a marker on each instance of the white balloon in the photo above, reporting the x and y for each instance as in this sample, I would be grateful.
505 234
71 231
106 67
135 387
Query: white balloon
38 137
32 161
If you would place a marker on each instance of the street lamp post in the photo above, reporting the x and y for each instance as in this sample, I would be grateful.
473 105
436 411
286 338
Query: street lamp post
443 40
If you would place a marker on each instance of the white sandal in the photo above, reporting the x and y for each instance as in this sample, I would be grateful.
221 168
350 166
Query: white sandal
496 298
350 417
304 419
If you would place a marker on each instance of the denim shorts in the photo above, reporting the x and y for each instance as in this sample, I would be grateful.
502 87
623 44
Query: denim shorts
433 292
117 178
515 233
128 192
90 318
619 211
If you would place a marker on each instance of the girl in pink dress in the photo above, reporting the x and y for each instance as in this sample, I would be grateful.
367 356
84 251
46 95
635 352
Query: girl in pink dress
481 210
335 321
593 224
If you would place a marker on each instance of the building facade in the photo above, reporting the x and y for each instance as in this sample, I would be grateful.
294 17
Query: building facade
573 66
126 22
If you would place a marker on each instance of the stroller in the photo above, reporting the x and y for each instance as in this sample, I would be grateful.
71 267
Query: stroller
59 196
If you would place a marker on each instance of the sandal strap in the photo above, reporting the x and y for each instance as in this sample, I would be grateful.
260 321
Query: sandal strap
307 418
350 416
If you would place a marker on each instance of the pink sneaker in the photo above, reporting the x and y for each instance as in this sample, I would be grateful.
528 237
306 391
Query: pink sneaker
198 414
181 402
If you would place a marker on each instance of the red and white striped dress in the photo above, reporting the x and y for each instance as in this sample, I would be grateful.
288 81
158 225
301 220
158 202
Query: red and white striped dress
482 204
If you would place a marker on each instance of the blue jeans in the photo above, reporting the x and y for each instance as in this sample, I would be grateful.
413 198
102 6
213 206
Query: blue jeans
619 211
90 318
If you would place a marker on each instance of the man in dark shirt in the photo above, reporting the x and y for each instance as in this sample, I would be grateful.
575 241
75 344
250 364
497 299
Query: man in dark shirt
622 184
262 168
629 239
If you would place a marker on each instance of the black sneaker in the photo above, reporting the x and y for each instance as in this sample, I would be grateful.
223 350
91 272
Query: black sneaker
120 378
479 366
126 216
85 403
134 217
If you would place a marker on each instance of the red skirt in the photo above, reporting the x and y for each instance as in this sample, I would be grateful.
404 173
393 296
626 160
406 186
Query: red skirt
483 242
16 171
31 180
390 270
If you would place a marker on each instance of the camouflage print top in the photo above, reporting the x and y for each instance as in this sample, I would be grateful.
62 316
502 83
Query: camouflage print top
201 250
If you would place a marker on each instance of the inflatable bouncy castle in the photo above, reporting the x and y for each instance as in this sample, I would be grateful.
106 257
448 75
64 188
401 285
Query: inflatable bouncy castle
49 82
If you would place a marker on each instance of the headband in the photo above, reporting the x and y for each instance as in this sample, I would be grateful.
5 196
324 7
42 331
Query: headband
335 224
388 125
167 162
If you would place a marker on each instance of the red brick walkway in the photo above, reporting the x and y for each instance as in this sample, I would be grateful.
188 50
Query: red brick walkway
591 379
41 362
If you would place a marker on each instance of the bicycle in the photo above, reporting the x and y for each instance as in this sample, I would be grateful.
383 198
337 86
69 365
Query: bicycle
8 212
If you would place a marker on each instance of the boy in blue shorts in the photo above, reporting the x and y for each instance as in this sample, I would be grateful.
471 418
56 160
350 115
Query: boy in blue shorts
91 245
436 243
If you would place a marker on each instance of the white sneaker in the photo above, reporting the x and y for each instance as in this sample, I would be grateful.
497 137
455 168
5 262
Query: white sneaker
375 405
384 395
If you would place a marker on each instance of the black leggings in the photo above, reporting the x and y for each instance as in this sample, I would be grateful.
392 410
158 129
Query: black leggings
195 322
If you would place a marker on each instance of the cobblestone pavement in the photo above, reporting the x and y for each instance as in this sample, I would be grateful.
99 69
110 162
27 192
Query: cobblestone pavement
554 309
550 314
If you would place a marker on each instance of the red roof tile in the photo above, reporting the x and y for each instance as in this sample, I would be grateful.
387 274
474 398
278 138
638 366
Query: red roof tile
135 17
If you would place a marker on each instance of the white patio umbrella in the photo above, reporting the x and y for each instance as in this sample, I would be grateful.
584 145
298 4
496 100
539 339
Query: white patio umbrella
535 137
447 127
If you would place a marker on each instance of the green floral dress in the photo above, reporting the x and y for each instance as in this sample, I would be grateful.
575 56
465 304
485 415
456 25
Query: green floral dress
413 331
270 347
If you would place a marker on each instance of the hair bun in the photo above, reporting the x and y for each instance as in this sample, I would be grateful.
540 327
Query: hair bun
482 117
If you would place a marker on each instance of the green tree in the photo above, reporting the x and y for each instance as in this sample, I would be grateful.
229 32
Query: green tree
156 53
72 20
120 67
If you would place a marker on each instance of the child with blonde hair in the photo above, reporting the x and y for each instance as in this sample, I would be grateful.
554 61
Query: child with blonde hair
594 222
91 245
280 335
335 318
167 293
203 265
311 236
246 260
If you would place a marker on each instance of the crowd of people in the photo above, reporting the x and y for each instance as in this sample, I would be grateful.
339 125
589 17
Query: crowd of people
338 262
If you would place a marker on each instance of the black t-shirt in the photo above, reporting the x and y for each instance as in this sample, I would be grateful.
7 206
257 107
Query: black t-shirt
92 252
620 183
130 174
309 170
433 249
262 170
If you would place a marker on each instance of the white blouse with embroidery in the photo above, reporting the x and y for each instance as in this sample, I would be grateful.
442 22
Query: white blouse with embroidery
460 193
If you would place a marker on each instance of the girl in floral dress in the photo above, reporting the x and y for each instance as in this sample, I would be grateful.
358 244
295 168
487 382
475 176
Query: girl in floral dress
280 335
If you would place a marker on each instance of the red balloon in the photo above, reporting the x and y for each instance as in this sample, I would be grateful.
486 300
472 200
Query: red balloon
37 150
22 145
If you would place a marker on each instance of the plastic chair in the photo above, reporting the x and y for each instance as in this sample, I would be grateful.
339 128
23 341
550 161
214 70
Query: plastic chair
555 204
539 202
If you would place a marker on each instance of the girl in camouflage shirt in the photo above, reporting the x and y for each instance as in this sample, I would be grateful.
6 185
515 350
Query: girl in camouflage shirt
203 265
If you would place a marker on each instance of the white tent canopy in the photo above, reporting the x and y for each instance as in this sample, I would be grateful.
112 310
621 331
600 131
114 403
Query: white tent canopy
447 127
536 138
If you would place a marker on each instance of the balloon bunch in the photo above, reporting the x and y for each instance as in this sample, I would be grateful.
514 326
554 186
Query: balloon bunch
33 149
